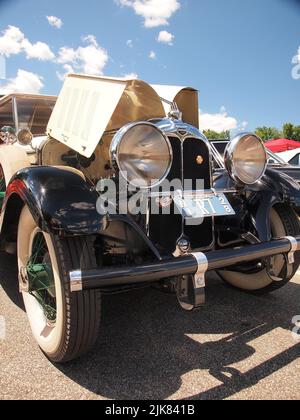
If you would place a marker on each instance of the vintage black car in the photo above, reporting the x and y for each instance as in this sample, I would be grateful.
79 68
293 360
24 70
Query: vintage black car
121 195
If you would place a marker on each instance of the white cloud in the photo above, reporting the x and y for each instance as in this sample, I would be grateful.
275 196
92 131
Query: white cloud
131 76
91 39
55 21
218 122
129 43
25 82
13 42
152 55
39 51
165 37
68 69
90 59
66 55
154 12
244 125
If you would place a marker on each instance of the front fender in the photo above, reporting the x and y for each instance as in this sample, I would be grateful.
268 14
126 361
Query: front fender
274 188
60 200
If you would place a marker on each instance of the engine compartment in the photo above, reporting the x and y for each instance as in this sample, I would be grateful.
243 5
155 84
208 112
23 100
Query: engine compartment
54 153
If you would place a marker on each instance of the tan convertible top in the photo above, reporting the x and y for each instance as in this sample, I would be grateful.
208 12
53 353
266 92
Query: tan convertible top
89 106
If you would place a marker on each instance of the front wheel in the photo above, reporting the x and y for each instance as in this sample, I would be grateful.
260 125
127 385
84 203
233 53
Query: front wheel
64 324
284 222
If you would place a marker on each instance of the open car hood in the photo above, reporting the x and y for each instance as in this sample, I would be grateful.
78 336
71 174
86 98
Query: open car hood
89 106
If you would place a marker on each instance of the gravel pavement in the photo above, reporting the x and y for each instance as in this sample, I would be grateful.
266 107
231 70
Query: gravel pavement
237 347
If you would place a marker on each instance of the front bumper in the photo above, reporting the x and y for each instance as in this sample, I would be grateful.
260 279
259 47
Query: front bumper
196 264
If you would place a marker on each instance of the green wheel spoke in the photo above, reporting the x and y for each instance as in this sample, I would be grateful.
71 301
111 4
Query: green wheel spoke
41 277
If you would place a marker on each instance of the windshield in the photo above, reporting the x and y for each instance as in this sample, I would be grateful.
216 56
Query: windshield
220 146
34 114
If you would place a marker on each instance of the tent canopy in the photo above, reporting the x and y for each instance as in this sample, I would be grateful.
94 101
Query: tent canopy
282 145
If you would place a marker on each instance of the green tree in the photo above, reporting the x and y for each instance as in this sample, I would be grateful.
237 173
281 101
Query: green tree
296 133
291 132
288 131
268 133
214 135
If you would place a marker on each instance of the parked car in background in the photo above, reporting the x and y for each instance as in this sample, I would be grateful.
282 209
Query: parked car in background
121 195
292 157
24 112
23 123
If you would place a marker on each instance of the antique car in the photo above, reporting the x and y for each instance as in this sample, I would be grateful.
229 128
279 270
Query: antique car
121 196
26 117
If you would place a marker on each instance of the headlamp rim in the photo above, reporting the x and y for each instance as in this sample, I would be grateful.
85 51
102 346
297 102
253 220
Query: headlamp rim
115 146
229 161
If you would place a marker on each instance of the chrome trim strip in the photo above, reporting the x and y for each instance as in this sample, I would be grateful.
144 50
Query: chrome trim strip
294 248
217 156
202 262
76 281
15 113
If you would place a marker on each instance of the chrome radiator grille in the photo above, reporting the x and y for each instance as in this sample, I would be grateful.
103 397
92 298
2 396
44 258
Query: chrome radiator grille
191 163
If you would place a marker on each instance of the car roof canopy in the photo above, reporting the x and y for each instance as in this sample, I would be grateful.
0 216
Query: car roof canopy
89 106
5 98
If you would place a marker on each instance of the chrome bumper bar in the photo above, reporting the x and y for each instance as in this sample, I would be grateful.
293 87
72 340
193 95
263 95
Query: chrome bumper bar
196 264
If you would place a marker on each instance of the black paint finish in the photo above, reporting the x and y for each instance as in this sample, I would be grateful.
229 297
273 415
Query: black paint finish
274 188
60 201
198 174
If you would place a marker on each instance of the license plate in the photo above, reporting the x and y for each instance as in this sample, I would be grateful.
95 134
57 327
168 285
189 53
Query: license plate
197 206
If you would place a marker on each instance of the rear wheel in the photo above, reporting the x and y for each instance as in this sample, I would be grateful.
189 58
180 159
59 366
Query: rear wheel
64 324
284 222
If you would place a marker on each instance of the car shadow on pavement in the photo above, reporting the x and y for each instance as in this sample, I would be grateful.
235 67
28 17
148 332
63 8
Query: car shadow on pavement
147 343
9 278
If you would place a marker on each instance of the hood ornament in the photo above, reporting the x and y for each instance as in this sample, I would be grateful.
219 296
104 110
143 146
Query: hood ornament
175 112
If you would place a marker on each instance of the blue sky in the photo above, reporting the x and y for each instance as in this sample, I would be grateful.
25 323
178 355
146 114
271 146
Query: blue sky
238 54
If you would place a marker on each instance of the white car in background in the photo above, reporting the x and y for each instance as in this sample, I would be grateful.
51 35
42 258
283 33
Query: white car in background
292 156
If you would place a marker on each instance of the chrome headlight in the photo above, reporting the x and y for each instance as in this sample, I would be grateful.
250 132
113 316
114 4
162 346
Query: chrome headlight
24 137
246 159
142 154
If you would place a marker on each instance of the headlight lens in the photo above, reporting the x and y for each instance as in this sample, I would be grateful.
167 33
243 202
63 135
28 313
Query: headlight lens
246 159
143 154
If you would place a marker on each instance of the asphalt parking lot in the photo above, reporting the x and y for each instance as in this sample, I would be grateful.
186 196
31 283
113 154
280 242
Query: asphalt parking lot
237 347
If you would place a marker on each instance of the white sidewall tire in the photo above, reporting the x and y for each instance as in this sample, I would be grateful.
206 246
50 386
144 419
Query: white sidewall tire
48 337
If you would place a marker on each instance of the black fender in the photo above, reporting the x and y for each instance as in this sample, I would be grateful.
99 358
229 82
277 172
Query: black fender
274 188
60 200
